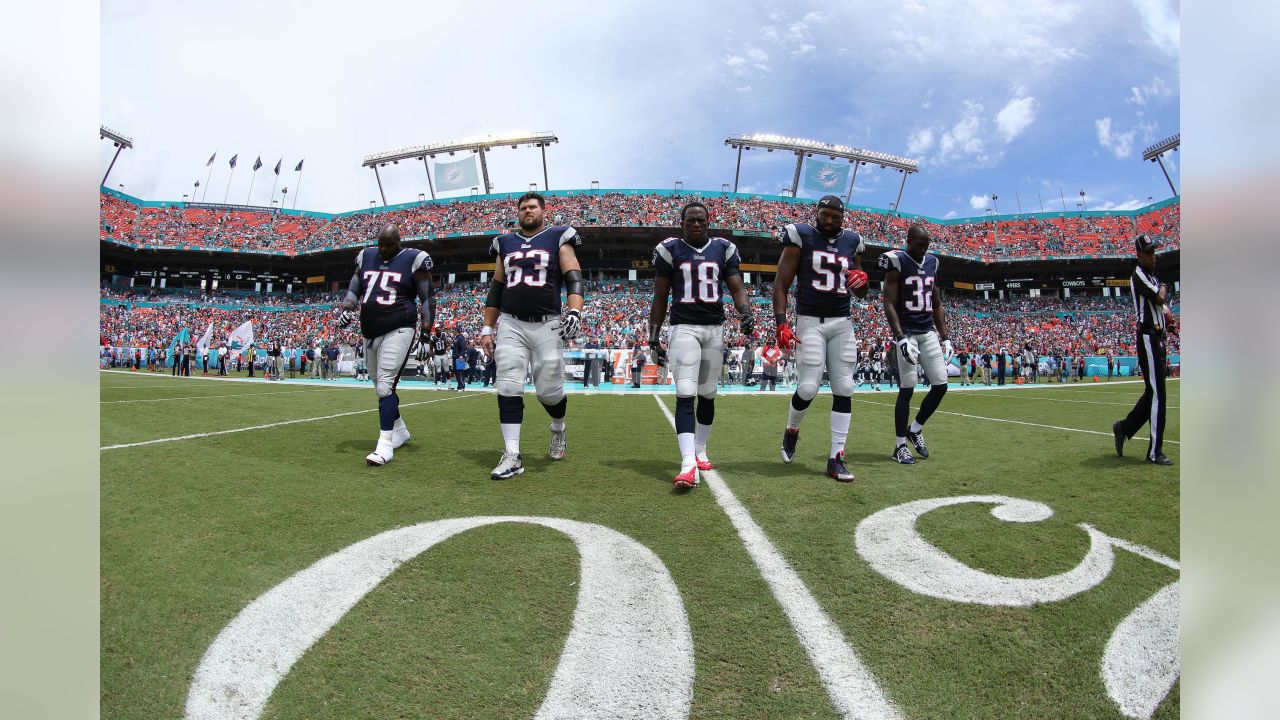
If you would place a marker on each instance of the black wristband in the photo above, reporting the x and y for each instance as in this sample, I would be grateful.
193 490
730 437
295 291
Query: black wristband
779 319
495 294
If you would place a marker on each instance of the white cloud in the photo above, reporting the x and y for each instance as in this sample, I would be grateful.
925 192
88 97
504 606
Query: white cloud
1120 144
979 202
1161 21
803 50
753 60
950 214
920 141
964 137
1016 117
1143 94
1130 204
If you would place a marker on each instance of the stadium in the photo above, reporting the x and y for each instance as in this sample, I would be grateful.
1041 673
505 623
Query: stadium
255 563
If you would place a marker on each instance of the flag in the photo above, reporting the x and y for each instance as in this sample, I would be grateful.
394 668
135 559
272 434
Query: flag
257 163
299 168
826 177
197 183
212 157
202 345
278 165
233 160
241 337
178 339
457 175
285 191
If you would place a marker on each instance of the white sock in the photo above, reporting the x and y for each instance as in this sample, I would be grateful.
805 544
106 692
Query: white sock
399 425
795 417
511 437
686 442
902 440
384 436
557 424
700 439
916 427
839 431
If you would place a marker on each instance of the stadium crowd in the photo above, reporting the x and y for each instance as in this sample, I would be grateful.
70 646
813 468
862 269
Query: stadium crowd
617 315
176 225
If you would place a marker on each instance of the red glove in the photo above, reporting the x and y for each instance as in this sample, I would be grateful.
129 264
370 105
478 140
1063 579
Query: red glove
855 279
786 339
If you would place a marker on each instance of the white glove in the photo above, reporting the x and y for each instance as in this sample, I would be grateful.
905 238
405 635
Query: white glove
345 317
571 325
908 350
948 352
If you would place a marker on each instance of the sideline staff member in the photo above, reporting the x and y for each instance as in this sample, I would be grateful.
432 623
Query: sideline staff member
1150 301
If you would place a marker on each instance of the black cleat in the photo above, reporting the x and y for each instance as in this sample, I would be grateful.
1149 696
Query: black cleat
917 439
789 439
1160 459
903 456
836 469
1118 432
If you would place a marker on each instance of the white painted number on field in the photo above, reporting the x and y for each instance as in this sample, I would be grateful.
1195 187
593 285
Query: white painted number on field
1140 663
629 653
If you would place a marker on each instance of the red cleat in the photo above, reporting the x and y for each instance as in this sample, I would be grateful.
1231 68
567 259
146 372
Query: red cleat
687 479
704 464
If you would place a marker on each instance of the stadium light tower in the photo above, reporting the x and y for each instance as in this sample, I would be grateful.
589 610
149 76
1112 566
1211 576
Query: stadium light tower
1155 152
478 145
122 142
808 148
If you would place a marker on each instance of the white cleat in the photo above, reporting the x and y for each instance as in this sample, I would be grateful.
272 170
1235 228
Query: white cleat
558 445
383 453
509 466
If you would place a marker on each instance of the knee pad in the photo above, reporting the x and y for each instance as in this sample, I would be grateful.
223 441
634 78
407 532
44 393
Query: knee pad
552 398
807 390
384 388
841 384
686 387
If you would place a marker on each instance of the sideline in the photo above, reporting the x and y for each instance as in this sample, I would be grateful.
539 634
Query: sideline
271 425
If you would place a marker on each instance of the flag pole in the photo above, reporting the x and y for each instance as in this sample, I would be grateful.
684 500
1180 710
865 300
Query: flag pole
297 190
227 194
206 183
252 177
274 183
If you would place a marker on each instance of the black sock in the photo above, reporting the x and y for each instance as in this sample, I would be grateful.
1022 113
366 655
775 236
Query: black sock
510 409
557 410
684 415
388 411
901 410
930 403
706 410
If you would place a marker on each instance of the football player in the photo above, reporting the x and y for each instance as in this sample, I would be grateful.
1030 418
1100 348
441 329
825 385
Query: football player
913 308
824 260
392 289
532 264
691 269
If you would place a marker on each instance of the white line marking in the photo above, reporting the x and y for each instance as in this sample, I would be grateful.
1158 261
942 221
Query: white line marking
629 653
1141 550
850 684
211 397
891 545
1140 663
1016 422
271 425
1020 396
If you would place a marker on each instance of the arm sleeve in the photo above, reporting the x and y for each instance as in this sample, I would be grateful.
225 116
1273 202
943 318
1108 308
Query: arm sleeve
570 237
889 261
860 244
427 301
662 260
1143 285
732 260
790 235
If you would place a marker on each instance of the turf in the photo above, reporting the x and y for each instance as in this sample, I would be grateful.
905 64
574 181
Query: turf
194 530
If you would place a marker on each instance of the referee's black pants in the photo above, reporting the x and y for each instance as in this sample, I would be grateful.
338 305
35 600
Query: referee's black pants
1151 406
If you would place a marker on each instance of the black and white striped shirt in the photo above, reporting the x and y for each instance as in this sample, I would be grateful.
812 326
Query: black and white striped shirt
1145 287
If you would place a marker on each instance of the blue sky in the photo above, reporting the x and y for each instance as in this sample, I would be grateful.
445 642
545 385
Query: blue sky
1011 99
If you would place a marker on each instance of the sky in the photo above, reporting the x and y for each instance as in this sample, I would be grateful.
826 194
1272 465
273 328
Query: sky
1031 101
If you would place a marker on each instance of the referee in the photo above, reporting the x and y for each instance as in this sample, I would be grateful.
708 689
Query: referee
1150 298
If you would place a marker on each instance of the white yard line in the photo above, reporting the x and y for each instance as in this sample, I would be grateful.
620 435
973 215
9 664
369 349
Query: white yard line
1023 396
849 683
1016 422
214 397
271 425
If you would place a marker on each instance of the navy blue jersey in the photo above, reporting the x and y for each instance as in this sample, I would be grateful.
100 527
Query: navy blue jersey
820 282
696 275
439 345
915 289
388 293
532 269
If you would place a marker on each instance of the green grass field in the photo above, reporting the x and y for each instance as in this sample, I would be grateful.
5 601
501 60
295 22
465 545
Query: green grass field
196 529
